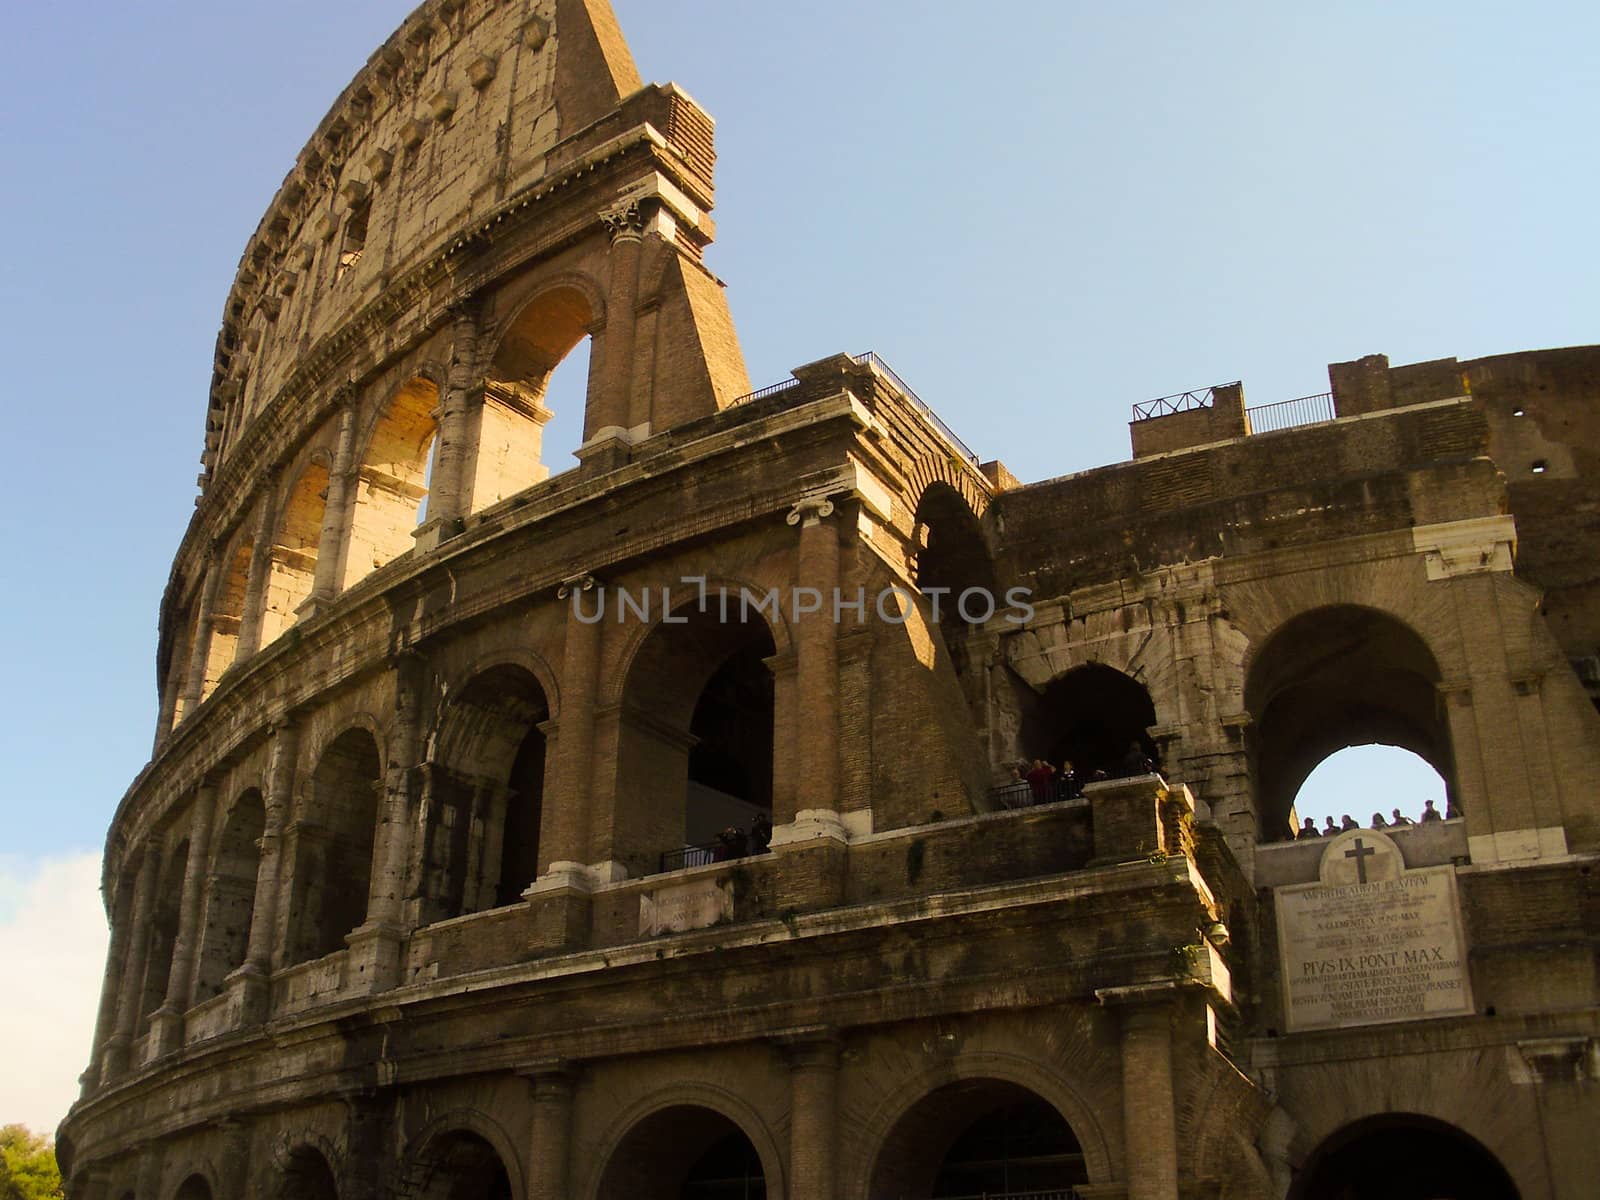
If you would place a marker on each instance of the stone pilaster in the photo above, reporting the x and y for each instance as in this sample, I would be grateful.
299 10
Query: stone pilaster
449 489
813 1121
194 683
611 405
251 979
336 513
255 592
167 1024
375 946
550 1133
817 665
1150 1129
121 1043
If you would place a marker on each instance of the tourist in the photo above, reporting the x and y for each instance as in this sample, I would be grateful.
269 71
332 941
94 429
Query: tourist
1378 822
1136 761
1400 818
1066 781
1429 812
1309 829
1348 822
1042 781
1329 828
760 839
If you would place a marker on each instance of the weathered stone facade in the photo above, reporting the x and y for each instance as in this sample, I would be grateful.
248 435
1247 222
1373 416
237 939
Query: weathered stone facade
400 905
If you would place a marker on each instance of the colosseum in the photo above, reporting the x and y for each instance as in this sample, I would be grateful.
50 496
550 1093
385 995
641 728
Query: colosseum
653 828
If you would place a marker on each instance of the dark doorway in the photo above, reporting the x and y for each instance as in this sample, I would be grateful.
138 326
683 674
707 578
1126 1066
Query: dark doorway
1402 1156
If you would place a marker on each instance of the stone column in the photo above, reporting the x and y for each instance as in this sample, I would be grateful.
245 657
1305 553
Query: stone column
168 1022
1149 1121
564 832
813 1132
550 1134
336 513
255 591
252 978
144 892
375 946
110 989
194 682
449 487
612 408
817 668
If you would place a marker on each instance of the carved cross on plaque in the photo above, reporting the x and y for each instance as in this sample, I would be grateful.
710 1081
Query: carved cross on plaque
1361 853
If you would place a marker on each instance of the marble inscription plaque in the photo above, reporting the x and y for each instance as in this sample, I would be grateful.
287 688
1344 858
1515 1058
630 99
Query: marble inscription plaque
1371 942
685 906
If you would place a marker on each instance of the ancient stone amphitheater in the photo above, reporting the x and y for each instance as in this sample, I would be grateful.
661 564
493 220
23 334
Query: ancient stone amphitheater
648 829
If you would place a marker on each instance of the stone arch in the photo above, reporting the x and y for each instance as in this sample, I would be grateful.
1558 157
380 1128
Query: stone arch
430 1148
507 656
294 547
227 608
1091 715
162 934
304 1171
391 477
1402 1156
931 469
231 893
687 1098
1332 677
696 729
1016 1071
517 297
484 791
335 840
197 1183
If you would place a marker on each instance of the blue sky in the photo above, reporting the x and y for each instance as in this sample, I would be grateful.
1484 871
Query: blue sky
1039 213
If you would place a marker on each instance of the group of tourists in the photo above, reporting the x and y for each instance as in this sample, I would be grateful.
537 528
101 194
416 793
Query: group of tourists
1329 829
1046 782
734 842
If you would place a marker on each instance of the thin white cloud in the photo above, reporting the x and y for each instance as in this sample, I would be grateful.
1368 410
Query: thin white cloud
53 948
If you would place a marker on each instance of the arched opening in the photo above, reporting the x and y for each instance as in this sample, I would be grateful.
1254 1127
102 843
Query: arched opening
392 482
1401 1156
1374 786
227 610
1094 717
193 1188
1333 678
527 402
462 1166
333 846
293 568
979 1137
684 1153
231 894
307 1176
163 935
694 762
485 795
954 557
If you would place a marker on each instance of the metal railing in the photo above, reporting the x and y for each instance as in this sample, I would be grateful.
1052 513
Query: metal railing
772 389
1286 414
1166 406
871 359
689 856
1019 794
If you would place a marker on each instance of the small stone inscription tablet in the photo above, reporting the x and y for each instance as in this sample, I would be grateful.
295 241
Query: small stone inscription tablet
685 906
1371 942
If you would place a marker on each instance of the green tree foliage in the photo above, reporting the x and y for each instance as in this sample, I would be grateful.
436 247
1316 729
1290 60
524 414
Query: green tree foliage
28 1168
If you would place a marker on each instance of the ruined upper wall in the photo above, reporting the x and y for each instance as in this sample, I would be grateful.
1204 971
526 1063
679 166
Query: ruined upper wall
466 105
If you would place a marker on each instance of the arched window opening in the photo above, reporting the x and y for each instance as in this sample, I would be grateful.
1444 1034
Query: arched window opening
231 895
694 771
333 846
193 1188
1372 785
392 483
980 1137
226 612
1096 718
955 562
307 1176
163 935
684 1153
293 569
463 1166
485 795
1401 1156
1331 679
529 406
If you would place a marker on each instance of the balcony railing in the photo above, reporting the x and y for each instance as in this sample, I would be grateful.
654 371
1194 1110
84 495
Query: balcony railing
1178 402
1287 414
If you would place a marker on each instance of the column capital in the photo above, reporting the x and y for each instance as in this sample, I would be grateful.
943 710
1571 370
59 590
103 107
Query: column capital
624 221
811 1049
581 582
809 510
